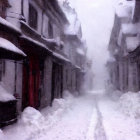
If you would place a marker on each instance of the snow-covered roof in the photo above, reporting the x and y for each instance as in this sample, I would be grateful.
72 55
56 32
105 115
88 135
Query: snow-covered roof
4 95
7 45
125 8
60 56
132 43
9 25
74 24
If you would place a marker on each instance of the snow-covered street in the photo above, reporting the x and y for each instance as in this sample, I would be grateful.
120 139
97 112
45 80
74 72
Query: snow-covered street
70 70
89 117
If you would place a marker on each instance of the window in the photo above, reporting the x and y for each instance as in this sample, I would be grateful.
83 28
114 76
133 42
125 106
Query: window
33 17
2 68
45 26
2 10
50 30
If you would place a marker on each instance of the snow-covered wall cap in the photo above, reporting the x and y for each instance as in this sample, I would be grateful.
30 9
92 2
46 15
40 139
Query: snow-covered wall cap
9 25
7 45
132 43
125 8
131 28
4 95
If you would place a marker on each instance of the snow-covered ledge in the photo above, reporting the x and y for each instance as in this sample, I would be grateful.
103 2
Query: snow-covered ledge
7 45
4 95
9 25
132 43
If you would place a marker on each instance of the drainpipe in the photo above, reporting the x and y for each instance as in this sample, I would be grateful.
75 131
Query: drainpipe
22 11
15 77
22 8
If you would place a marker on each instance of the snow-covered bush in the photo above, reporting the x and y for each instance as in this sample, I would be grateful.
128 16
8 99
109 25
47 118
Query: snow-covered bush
129 104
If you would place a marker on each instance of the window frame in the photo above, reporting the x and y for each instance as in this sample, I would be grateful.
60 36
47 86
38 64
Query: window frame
33 17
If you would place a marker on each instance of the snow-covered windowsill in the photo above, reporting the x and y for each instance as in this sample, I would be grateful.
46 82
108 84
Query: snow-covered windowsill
5 96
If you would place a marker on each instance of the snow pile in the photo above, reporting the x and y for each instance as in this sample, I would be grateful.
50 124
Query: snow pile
4 95
125 8
31 116
116 124
132 43
129 104
34 122
1 135
59 106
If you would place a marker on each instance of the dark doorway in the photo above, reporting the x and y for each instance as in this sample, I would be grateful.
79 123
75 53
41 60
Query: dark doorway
57 81
31 83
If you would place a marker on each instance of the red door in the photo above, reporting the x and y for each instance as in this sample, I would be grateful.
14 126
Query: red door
31 78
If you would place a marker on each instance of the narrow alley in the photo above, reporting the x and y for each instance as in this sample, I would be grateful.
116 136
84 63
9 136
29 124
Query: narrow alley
69 70
90 117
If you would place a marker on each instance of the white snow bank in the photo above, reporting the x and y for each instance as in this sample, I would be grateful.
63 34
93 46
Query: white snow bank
117 125
1 135
125 8
31 116
4 95
5 44
33 123
129 104
132 43
59 106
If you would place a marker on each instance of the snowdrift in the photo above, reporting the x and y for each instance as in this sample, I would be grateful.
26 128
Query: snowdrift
129 104
34 122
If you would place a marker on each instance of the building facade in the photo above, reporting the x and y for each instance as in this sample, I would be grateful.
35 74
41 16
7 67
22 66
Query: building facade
40 58
124 49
